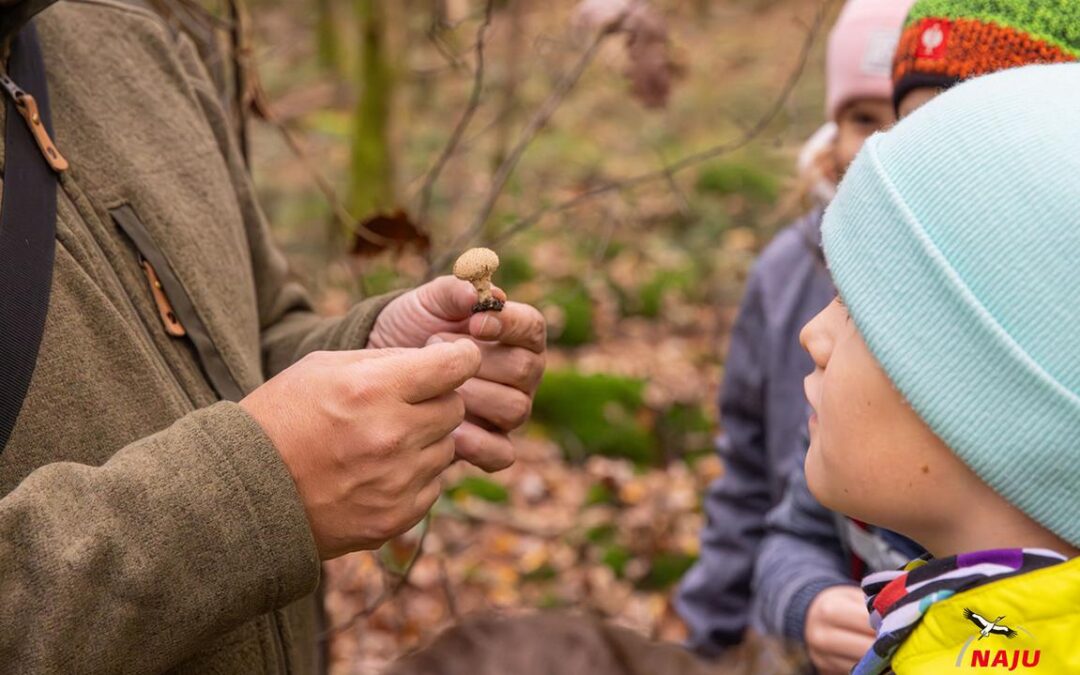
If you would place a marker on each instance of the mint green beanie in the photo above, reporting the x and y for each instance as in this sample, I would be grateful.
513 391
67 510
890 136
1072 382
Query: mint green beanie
954 240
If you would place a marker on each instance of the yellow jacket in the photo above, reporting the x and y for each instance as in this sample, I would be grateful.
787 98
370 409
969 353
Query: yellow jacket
1041 608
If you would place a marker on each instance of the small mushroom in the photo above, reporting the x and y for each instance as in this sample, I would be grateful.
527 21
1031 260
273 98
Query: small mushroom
476 266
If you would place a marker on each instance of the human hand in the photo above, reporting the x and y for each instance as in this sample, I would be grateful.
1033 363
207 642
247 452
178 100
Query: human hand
365 435
838 631
513 345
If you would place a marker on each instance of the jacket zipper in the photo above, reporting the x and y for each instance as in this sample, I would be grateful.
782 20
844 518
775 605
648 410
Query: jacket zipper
174 305
28 108
120 292
165 309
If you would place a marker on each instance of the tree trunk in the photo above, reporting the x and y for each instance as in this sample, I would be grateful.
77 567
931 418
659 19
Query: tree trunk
508 99
328 40
372 175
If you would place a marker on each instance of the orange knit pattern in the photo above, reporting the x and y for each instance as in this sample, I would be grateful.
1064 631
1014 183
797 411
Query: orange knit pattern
964 48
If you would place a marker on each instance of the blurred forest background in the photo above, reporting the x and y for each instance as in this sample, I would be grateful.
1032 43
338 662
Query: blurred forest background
627 160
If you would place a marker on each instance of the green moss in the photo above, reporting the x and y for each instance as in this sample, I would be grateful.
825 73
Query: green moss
514 270
551 600
481 488
651 295
666 569
543 573
595 414
738 178
616 558
600 493
684 431
601 534
577 310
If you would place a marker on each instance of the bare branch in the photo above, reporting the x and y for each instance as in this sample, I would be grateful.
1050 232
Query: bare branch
260 105
448 590
667 172
388 592
466 117
536 124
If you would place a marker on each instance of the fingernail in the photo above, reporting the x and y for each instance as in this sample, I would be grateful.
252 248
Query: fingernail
434 340
490 326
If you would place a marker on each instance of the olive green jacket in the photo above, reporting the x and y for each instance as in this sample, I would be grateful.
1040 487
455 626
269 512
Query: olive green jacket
146 525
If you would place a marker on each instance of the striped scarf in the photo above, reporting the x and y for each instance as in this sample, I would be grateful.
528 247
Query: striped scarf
898 599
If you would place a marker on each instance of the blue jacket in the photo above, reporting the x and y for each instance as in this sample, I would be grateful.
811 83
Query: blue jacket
808 548
769 547
763 416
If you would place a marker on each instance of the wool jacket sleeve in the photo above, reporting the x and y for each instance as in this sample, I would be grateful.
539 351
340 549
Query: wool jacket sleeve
714 598
290 328
801 556
133 565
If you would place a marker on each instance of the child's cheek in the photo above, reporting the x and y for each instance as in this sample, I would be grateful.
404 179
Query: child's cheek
828 460
841 463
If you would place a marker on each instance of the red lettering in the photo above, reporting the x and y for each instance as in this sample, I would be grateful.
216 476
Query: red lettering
980 658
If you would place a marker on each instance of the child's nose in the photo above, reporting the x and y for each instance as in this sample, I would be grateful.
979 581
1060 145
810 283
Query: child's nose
815 340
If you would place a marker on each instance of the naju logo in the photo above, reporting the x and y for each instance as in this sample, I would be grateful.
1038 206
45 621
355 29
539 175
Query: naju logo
983 656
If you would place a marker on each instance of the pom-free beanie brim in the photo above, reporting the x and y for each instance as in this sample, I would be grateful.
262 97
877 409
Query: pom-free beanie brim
998 409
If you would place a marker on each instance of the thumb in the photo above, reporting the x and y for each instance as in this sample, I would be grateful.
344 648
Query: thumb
430 372
450 299
447 298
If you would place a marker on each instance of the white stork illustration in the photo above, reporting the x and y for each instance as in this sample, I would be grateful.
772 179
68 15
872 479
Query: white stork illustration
988 628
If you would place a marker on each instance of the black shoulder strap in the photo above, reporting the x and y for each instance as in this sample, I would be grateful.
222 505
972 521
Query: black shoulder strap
27 234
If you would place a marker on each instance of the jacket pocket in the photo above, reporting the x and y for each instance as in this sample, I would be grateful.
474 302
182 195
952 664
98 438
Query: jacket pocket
174 306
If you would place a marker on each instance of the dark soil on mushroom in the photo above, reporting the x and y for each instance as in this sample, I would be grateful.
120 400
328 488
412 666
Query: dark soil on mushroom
489 305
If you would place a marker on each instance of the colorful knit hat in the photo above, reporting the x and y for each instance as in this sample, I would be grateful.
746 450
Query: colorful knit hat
954 240
860 52
946 41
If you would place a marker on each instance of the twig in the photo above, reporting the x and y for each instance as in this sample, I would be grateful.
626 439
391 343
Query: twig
536 124
388 592
448 590
261 106
670 170
466 117
492 517
452 60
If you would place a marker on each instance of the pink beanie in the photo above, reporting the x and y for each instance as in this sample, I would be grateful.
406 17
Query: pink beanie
861 46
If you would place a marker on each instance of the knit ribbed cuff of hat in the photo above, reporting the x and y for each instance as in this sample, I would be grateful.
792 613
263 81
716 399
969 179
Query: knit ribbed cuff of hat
1007 418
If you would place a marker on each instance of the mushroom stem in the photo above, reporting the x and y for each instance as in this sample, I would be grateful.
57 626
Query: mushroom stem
483 290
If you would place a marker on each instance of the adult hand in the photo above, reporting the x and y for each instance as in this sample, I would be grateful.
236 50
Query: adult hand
838 631
366 435
512 342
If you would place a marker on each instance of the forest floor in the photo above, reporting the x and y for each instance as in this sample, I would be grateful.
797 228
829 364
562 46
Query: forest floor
601 513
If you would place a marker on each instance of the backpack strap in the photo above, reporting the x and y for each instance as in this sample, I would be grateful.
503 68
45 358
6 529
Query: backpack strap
27 227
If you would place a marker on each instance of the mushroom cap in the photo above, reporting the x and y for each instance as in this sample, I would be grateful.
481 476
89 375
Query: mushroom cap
476 263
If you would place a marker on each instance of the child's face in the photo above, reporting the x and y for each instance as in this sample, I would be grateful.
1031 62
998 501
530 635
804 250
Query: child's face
870 455
915 99
856 122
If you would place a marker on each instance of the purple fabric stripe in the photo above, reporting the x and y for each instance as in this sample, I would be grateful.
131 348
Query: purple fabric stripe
1009 557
